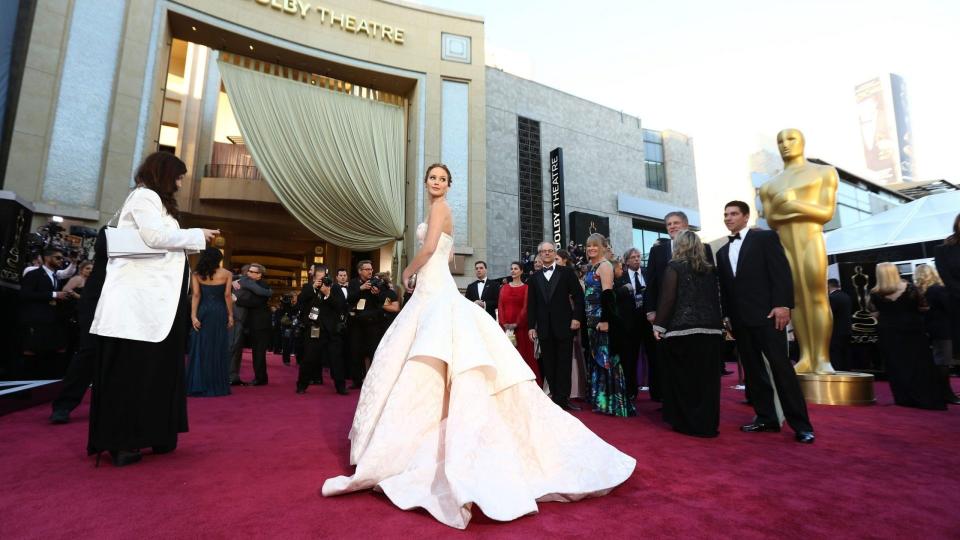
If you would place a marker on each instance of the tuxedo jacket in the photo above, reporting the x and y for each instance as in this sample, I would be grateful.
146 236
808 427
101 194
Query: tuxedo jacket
373 303
763 279
491 294
660 254
551 305
947 260
331 312
254 297
633 319
306 296
37 305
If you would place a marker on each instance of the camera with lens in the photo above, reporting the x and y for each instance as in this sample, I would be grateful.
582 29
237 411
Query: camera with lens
376 281
326 280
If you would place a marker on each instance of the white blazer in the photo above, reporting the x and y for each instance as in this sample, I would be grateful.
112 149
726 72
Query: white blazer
140 296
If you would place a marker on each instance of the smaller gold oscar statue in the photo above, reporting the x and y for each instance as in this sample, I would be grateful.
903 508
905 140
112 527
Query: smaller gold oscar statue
797 203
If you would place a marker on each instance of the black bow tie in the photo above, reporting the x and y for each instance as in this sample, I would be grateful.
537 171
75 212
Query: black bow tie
548 269
481 281
733 237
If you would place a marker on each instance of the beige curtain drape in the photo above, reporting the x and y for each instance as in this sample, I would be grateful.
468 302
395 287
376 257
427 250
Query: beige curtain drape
335 161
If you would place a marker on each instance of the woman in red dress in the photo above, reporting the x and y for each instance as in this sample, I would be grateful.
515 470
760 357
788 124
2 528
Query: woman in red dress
512 314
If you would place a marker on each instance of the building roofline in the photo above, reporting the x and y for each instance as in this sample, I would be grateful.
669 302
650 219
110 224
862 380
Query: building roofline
531 81
845 172
436 11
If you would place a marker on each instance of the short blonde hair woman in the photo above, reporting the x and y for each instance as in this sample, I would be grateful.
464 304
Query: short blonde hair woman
888 280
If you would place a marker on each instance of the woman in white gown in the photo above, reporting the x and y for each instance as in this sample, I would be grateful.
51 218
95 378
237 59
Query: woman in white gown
450 414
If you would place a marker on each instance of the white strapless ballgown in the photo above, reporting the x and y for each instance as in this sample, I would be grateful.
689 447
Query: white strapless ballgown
450 415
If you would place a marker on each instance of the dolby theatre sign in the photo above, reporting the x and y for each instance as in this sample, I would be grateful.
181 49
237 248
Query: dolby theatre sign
346 22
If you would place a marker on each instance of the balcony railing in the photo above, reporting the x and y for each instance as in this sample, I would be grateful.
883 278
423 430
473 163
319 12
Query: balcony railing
222 170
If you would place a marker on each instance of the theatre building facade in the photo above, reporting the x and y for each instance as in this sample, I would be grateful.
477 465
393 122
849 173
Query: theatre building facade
306 129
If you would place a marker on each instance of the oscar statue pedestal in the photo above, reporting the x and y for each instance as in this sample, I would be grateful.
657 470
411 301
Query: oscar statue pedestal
840 388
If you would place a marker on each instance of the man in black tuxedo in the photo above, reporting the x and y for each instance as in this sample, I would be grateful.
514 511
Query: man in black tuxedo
254 295
637 331
660 254
483 292
41 331
757 290
842 307
555 312
324 316
365 302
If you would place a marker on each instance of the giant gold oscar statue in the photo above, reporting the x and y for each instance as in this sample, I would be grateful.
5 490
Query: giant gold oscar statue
797 203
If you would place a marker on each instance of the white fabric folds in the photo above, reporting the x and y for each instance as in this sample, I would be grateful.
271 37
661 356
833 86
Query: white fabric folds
335 161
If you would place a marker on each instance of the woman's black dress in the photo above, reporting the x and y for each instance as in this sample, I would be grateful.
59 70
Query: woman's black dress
905 349
139 397
689 312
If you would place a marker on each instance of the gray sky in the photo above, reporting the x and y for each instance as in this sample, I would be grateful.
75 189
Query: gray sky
731 74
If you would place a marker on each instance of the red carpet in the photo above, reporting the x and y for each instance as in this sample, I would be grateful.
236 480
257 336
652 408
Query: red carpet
253 463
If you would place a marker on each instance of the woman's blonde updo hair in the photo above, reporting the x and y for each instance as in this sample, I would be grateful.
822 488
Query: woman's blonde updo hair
433 166
924 276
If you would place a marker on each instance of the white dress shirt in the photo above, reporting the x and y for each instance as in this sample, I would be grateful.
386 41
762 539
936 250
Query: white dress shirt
480 284
53 279
548 273
344 289
735 249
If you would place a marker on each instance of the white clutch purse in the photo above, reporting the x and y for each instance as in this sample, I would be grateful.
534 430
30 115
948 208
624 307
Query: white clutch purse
128 243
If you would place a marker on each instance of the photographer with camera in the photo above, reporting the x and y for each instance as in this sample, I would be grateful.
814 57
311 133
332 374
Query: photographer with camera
367 293
310 291
287 321
324 321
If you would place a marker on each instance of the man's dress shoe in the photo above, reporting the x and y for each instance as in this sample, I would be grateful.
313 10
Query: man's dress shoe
570 407
805 437
757 428
59 417
257 382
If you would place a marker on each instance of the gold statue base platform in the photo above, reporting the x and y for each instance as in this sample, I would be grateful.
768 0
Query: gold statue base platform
840 388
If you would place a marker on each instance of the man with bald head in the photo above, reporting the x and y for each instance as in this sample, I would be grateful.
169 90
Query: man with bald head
555 312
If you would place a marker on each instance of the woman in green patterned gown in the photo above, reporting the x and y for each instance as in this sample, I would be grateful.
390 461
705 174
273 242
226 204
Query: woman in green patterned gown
608 393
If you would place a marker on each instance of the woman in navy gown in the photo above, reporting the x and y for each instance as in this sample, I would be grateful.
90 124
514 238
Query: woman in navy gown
212 317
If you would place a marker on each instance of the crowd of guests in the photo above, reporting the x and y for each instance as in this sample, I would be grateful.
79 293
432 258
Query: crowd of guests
613 328
590 324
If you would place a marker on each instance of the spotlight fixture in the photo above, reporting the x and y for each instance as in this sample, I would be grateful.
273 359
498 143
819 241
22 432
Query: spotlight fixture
194 28
251 47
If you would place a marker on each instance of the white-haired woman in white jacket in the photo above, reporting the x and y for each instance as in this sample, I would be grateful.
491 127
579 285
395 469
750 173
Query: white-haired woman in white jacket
138 398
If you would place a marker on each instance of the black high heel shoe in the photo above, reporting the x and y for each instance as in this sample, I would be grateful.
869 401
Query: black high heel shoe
122 458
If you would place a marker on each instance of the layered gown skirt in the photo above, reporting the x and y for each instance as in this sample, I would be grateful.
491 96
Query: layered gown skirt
451 416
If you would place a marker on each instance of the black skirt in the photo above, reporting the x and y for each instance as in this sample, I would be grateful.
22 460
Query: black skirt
691 394
139 397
